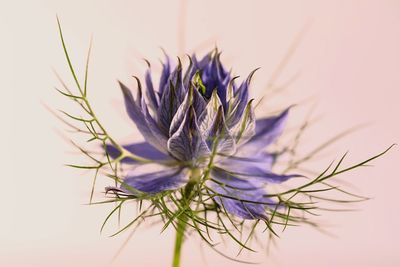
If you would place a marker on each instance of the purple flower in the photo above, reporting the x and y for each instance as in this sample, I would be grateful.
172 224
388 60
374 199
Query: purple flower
200 122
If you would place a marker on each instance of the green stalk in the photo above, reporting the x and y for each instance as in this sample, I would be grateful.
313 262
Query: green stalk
183 218
180 232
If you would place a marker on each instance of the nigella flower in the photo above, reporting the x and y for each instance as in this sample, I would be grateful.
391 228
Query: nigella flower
204 165
199 127
203 152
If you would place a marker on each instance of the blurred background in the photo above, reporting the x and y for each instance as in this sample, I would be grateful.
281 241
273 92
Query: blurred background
340 59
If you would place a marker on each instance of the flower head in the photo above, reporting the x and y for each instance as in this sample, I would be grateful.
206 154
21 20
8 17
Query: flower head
209 152
199 126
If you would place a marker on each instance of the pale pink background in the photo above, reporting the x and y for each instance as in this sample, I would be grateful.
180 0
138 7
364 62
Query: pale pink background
349 63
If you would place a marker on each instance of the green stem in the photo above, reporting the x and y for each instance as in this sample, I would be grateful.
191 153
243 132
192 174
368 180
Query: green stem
180 232
183 218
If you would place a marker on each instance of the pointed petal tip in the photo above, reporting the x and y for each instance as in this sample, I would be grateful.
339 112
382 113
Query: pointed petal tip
147 62
125 90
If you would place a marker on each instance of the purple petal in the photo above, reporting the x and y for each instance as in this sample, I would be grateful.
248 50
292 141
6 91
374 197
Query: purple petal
213 76
171 99
166 71
262 160
239 104
186 143
259 174
245 129
156 182
206 118
190 72
202 64
271 126
140 117
192 98
235 192
151 95
218 134
234 182
266 132
144 150
257 168
155 129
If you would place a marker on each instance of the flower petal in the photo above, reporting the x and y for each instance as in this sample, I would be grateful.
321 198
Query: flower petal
266 132
219 135
239 102
155 129
171 99
186 143
214 76
143 149
263 160
192 98
151 95
239 197
166 71
156 182
135 112
206 118
258 167
190 72
245 129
